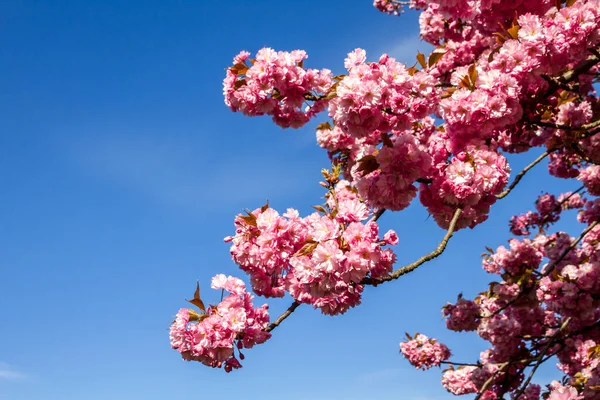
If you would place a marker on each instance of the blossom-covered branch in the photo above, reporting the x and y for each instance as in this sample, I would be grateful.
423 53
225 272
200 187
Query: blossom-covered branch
504 77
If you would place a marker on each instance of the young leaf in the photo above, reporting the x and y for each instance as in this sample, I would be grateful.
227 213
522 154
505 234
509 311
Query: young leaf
324 126
368 164
513 31
421 59
473 75
307 249
435 56
196 300
320 209
239 68
385 138
250 219
264 208
239 83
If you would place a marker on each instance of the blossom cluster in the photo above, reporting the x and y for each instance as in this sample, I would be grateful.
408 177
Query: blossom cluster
320 259
392 7
276 84
546 303
213 336
423 352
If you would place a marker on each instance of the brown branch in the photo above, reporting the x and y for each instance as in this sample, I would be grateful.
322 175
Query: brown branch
581 68
428 257
377 214
491 379
283 316
521 174
553 265
584 127
539 360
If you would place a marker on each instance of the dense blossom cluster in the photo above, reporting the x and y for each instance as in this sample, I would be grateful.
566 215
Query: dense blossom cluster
212 336
276 84
423 352
319 259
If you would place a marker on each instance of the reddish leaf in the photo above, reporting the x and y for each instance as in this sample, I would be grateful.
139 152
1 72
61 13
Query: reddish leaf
513 31
368 164
435 56
385 138
264 208
239 68
324 126
196 300
421 59
307 249
473 75
239 83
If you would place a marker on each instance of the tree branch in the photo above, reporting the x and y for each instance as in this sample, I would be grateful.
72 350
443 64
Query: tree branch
553 265
428 257
377 214
283 316
540 358
521 174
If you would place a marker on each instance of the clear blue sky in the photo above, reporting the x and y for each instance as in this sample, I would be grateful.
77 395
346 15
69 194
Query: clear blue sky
121 171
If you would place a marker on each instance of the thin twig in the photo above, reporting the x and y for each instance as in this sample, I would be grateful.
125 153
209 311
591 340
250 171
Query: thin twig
461 364
428 257
553 265
283 316
585 127
540 359
521 174
491 379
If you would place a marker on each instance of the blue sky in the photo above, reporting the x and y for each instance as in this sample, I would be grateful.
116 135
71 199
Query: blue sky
122 170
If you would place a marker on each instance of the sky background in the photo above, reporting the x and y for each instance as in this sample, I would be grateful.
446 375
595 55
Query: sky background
122 169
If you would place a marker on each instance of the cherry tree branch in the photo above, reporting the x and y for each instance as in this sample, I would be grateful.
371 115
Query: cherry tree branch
553 265
428 257
521 174
585 127
487 383
377 214
539 360
283 316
